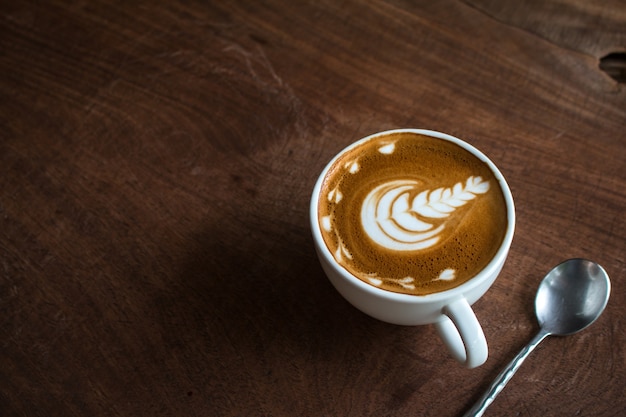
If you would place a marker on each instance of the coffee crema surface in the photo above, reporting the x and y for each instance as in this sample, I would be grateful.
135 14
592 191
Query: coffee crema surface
411 213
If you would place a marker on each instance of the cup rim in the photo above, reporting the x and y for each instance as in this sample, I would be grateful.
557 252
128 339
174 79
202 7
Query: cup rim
488 271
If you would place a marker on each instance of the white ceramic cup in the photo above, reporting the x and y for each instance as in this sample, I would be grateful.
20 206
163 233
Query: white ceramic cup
449 310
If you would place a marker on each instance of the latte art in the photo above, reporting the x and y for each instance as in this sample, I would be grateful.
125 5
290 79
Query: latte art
411 213
393 219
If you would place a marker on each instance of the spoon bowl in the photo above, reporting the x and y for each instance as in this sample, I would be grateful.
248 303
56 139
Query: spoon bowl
570 297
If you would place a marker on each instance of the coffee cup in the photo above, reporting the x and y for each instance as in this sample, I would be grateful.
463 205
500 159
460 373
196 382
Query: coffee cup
412 227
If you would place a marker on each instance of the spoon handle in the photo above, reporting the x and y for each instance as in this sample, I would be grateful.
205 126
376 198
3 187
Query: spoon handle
504 376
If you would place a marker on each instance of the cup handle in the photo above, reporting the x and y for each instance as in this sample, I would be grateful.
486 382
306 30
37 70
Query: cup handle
462 334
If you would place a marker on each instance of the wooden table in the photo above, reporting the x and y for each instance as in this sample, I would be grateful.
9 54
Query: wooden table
156 163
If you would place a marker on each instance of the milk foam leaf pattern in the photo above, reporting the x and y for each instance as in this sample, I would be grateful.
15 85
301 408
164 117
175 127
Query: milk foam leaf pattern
393 221
439 203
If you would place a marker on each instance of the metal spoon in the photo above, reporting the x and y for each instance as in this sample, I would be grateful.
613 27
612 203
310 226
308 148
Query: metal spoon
570 298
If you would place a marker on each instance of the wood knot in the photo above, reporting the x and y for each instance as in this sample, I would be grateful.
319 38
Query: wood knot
614 64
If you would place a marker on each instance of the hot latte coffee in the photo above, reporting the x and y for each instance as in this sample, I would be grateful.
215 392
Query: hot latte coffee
411 213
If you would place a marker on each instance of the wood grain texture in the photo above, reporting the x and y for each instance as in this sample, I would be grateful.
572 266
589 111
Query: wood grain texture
156 163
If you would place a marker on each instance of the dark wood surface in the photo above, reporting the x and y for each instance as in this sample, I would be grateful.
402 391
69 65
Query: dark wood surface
156 163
